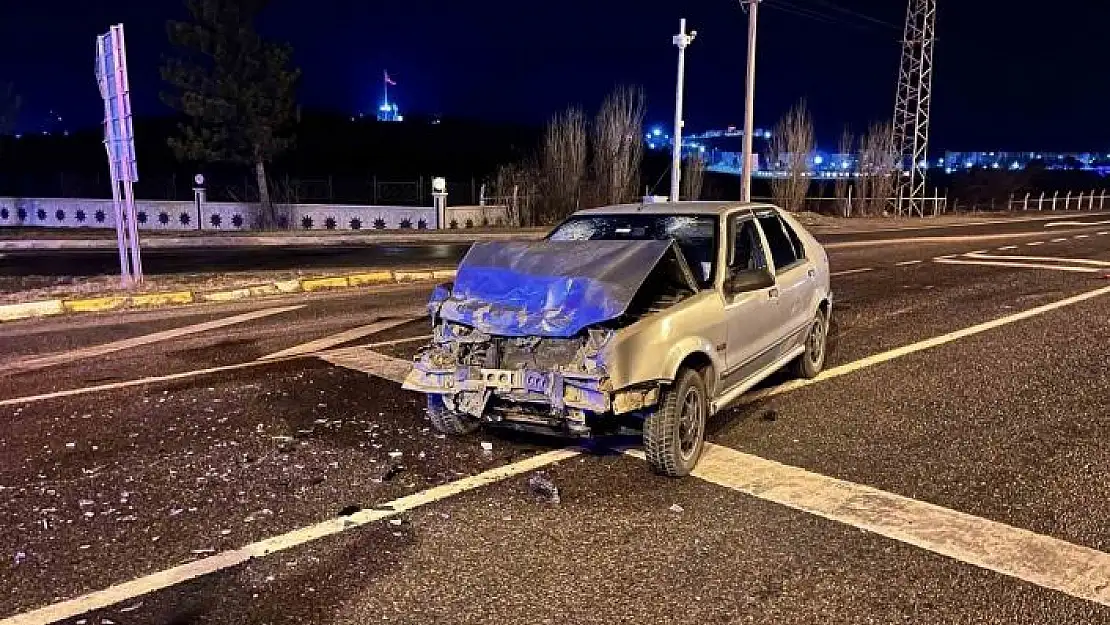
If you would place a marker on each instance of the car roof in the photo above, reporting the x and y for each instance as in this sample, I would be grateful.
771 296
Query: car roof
674 208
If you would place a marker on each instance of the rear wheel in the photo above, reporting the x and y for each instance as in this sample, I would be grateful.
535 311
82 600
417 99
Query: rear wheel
810 364
674 433
448 421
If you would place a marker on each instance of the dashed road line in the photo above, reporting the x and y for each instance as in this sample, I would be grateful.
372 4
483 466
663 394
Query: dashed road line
1048 562
852 271
1103 233
1081 236
353 334
1016 265
1007 247
171 577
40 362
1035 243
1060 224
411 339
1047 259
907 263
1060 240
371 362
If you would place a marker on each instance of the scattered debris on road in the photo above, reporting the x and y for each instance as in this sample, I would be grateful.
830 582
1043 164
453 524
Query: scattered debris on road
677 508
543 488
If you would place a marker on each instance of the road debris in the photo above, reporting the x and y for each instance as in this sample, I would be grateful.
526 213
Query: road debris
677 508
543 488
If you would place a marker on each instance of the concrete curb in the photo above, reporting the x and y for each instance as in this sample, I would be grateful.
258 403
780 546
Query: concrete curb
53 307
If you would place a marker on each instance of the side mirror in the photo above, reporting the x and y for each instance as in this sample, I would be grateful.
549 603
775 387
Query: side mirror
747 280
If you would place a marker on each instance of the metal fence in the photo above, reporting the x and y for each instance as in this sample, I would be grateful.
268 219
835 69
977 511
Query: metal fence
1085 200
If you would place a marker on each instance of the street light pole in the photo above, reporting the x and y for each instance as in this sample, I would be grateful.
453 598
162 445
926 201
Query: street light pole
682 40
749 106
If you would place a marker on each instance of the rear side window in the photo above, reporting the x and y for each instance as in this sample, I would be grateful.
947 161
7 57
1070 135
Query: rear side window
782 247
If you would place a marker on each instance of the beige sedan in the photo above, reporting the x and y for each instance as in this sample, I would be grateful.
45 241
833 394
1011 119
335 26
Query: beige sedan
644 316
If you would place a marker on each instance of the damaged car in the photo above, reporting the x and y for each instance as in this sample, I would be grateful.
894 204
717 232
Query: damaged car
644 316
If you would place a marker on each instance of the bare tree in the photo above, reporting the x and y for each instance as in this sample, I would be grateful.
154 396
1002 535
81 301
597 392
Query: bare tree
563 157
878 169
515 186
791 146
693 178
618 146
844 147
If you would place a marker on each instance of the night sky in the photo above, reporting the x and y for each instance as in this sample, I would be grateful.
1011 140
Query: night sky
1010 74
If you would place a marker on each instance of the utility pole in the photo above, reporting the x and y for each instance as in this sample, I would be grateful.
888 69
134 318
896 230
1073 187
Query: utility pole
682 40
913 103
749 106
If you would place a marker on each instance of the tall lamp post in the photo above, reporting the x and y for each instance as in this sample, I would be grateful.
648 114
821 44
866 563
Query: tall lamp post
682 40
749 106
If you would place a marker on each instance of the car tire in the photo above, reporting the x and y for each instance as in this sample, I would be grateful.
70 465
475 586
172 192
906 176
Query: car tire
447 421
674 433
810 364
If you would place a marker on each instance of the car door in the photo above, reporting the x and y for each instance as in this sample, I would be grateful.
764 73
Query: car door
751 314
794 275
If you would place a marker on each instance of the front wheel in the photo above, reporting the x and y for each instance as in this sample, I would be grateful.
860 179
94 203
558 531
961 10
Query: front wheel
447 421
674 433
810 364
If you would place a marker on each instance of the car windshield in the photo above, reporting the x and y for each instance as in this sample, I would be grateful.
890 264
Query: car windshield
696 235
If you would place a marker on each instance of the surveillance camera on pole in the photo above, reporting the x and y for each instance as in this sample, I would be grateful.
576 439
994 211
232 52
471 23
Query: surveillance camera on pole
682 40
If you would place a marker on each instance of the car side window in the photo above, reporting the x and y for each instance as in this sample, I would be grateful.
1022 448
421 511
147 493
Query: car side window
799 249
782 248
747 248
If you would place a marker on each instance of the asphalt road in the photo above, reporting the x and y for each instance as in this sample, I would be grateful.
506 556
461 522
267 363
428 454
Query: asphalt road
1003 430
159 261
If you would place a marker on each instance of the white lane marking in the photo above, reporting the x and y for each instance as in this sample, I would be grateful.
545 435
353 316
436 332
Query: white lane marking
1047 259
907 263
976 252
16 401
1048 562
164 579
1035 243
40 362
410 339
946 256
1060 240
920 346
1007 247
852 271
1016 220
1103 233
1082 236
347 336
369 361
1016 265
1061 224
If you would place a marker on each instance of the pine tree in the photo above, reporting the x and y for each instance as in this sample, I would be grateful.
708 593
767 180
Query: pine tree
237 90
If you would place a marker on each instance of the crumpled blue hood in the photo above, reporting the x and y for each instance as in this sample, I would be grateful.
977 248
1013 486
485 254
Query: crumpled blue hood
547 288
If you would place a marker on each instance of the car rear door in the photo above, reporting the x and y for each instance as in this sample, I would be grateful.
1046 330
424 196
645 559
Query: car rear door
794 274
751 316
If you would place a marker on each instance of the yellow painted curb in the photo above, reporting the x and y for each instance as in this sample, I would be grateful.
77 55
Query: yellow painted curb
43 308
97 304
226 296
373 277
161 299
319 284
288 286
413 276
